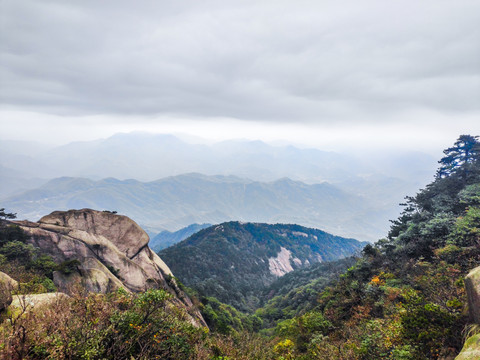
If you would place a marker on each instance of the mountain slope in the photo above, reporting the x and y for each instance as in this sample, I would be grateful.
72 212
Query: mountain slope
297 292
175 202
235 261
16 182
407 296
167 238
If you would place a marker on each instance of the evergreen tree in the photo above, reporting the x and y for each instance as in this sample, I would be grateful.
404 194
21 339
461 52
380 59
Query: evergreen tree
461 158
4 215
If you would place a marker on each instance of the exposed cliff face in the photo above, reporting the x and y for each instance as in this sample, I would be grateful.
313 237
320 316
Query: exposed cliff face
112 252
281 264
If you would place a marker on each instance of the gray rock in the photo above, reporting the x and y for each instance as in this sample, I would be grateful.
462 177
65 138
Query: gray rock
112 253
472 286
471 349
129 237
31 302
7 284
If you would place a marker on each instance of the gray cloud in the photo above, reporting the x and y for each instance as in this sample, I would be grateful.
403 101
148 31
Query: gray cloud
308 61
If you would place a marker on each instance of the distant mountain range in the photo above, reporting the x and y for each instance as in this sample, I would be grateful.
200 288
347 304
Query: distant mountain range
175 202
168 238
148 157
235 262
361 199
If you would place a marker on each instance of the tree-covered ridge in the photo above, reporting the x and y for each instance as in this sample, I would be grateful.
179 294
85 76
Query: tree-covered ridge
296 293
404 298
232 261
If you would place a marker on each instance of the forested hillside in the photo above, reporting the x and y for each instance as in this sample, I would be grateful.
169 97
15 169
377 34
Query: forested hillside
297 292
405 298
234 261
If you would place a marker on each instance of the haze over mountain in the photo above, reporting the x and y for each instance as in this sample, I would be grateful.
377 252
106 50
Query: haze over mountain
368 198
148 157
175 202
167 238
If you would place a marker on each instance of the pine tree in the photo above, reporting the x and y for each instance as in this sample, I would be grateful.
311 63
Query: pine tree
460 159
4 215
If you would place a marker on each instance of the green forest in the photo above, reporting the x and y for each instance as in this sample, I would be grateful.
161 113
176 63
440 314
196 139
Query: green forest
239 273
402 298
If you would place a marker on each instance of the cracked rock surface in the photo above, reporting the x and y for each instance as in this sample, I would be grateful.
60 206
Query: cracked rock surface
111 251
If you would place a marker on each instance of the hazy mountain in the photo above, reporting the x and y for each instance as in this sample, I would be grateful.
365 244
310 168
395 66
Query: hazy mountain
13 181
235 261
148 157
380 179
167 238
175 202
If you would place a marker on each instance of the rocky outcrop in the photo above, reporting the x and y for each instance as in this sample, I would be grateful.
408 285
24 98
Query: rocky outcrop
280 265
471 349
102 252
472 286
7 284
32 301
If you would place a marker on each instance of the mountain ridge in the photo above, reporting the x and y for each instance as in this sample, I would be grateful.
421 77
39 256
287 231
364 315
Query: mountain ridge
249 257
167 238
178 201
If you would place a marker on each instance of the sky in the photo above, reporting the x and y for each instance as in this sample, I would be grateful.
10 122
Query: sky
325 74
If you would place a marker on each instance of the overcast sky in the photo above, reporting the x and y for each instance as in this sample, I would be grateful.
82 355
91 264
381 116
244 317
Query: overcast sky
319 73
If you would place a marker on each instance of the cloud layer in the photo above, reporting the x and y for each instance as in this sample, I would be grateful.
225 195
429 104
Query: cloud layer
289 61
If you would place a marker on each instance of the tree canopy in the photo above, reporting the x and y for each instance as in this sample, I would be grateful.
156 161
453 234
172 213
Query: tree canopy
4 215
460 157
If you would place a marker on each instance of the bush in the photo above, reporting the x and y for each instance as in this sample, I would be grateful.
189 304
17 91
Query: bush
17 250
114 326
68 266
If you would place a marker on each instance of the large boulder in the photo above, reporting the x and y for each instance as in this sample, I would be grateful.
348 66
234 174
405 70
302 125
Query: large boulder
128 237
32 301
104 252
7 284
472 286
